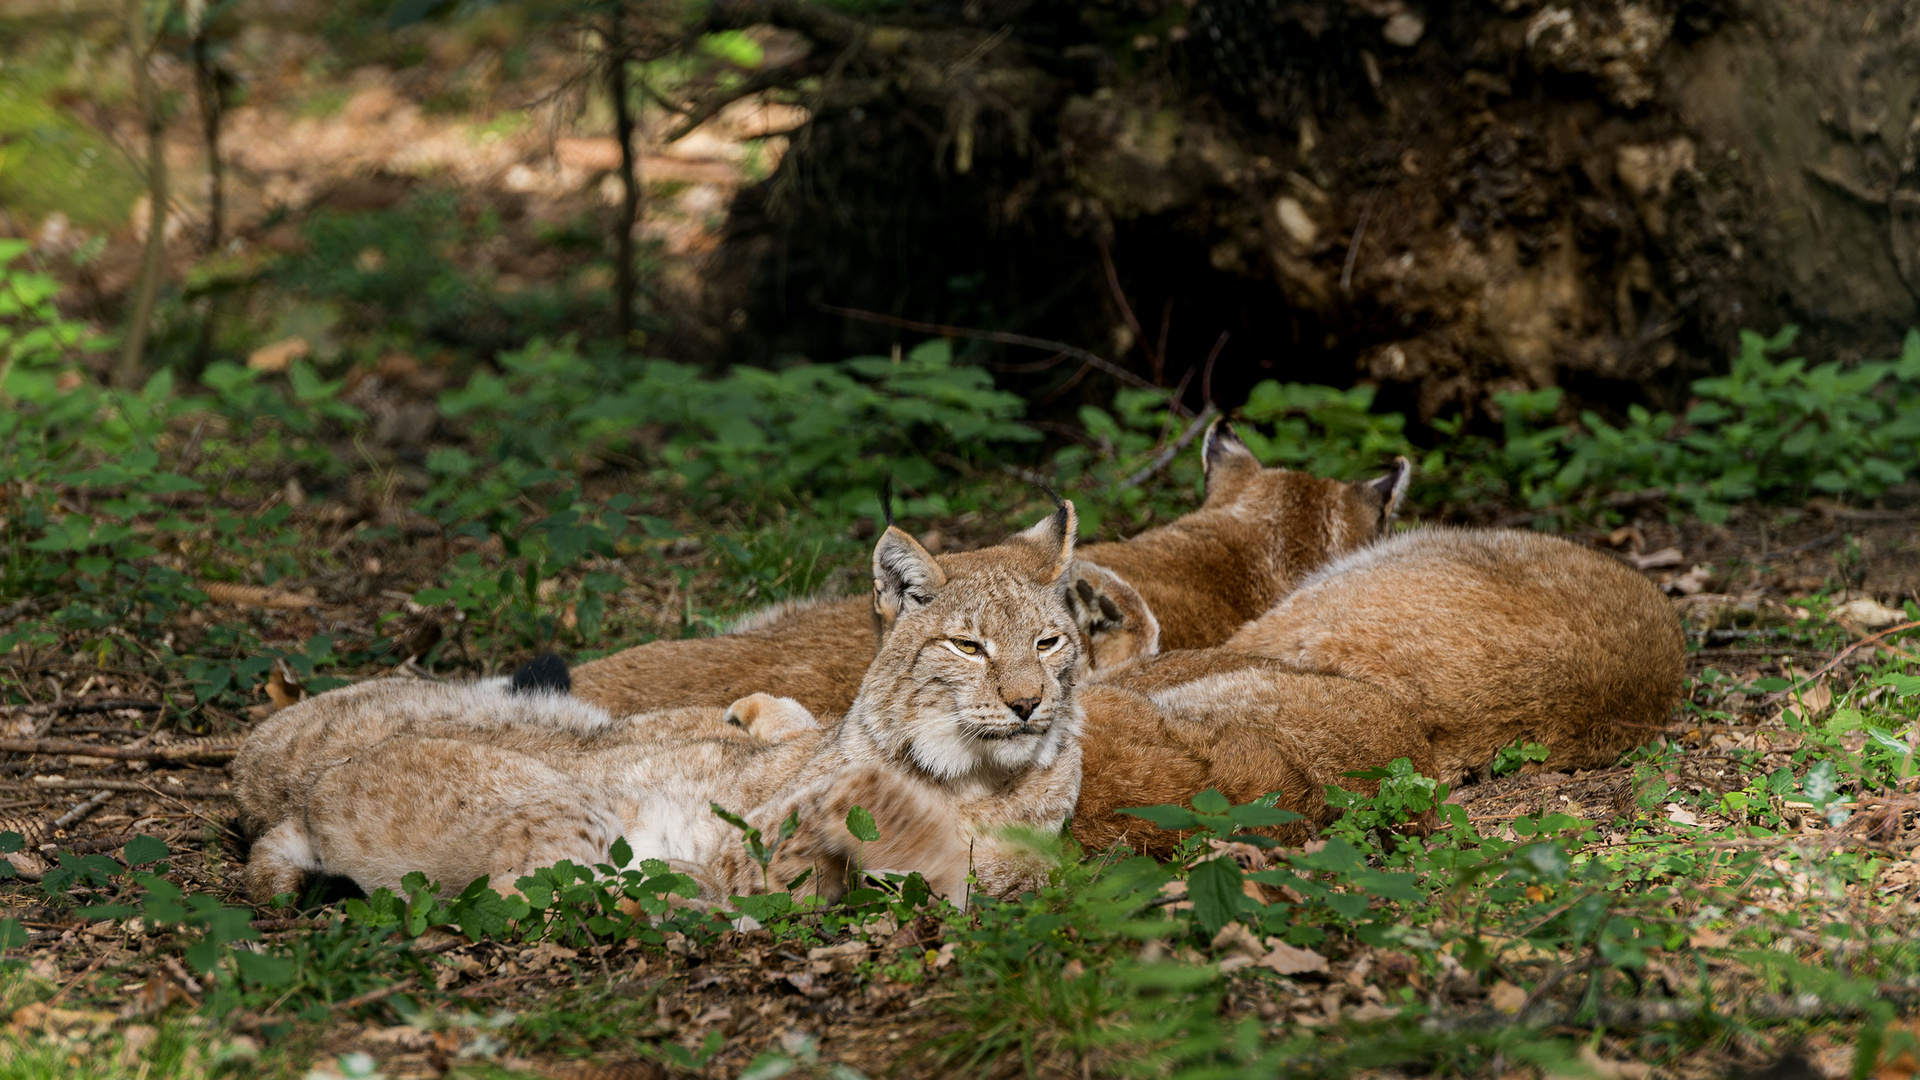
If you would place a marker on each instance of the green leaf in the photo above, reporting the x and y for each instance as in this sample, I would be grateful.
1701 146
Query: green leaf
11 842
1214 888
1211 801
144 849
861 825
12 934
1165 815
621 853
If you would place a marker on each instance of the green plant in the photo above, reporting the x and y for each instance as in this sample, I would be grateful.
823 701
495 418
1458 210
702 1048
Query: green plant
1515 756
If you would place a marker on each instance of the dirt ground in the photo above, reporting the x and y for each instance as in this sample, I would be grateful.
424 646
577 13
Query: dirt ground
1742 576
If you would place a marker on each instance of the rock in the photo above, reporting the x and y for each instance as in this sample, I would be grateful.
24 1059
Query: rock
1295 220
1404 29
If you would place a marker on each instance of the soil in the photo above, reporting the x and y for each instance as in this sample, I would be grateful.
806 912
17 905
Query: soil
756 992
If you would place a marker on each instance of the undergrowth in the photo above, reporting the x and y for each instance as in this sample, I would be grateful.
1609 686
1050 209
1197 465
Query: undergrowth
1754 911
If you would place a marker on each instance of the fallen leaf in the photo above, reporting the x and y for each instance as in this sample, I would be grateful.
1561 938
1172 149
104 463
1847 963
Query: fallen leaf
279 356
1689 583
1285 959
1709 939
1680 815
836 958
1370 1012
1236 939
1506 997
1658 560
1868 612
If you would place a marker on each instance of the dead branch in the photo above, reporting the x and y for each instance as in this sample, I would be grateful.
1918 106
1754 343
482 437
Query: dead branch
1835 662
194 751
1004 338
1199 424
757 83
224 592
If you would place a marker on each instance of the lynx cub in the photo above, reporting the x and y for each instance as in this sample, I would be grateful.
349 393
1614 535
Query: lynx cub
968 721
1197 579
1491 636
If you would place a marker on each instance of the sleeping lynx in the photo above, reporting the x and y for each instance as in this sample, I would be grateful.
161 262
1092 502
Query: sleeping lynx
967 722
1201 576
1491 636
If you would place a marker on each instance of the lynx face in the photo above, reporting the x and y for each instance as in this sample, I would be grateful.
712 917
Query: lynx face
978 672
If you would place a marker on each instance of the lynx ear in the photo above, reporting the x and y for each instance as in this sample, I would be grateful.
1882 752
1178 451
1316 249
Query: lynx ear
1227 461
904 575
1392 488
1053 539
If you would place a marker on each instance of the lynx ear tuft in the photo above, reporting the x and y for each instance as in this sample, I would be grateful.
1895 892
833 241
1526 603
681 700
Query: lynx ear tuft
905 576
1392 489
1229 464
1053 537
544 674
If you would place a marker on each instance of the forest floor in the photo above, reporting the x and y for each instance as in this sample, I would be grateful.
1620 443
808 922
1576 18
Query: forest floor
1772 599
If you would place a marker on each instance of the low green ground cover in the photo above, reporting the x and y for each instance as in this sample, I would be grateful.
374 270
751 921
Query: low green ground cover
1737 899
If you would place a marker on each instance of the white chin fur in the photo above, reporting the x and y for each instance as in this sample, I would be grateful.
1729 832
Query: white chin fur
947 752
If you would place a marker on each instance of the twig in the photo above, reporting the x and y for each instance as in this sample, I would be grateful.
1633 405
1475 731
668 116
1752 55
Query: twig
1004 338
128 785
711 107
1835 662
1353 248
226 592
1160 462
1798 548
1126 310
77 708
183 752
1206 374
372 996
74 815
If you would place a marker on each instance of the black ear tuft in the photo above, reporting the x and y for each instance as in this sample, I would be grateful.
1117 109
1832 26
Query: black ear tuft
886 500
544 674
1392 489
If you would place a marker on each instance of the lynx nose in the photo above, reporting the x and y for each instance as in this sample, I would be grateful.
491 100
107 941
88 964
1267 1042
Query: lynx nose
1023 707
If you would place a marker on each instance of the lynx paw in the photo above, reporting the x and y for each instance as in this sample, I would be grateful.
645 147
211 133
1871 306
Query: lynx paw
771 719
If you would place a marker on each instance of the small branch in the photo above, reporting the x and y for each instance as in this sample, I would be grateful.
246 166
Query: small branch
143 787
1126 309
185 752
1005 338
1199 424
1206 377
74 815
1835 662
711 107
372 996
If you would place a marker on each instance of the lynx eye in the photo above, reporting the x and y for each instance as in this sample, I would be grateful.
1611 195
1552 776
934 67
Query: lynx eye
970 648
1046 644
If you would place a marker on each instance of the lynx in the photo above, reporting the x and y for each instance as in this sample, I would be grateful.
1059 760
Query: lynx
1245 725
1490 636
1257 534
966 723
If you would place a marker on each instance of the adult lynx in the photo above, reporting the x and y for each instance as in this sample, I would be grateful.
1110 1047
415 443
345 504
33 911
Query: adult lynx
967 722
1491 636
1184 585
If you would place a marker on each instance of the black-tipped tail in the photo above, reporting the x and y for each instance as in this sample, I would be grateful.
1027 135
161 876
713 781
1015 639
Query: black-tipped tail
545 673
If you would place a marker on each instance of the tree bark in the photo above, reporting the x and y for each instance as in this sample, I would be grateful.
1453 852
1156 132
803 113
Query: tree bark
623 124
127 372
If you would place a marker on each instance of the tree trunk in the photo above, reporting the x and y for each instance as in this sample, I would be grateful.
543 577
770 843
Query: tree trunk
127 372
623 125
